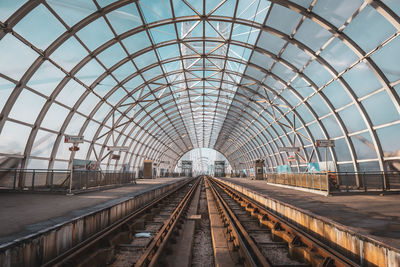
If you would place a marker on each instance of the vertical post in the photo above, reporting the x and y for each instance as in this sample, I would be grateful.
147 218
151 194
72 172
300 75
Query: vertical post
71 172
386 184
33 179
87 179
326 168
15 179
51 180
363 179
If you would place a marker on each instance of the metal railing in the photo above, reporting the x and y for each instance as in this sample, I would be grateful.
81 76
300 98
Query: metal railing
58 180
339 181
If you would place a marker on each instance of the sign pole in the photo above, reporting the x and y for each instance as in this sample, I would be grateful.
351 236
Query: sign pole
326 168
74 140
71 171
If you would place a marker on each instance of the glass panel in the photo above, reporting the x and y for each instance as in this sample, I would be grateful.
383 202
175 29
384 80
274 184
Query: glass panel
364 146
75 124
338 55
283 19
88 104
46 78
346 168
317 73
319 105
6 88
388 58
332 127
352 119
106 85
302 87
389 138
55 117
295 56
248 10
338 11
27 107
40 27
112 55
261 60
394 5
283 72
95 34
244 34
72 12
124 18
369 29
305 114
380 108
312 35
18 58
71 92
69 54
270 42
362 80
316 131
136 42
145 59
13 138
43 144
342 150
337 94
37 164
163 33
303 3
8 7
90 72
372 166
157 10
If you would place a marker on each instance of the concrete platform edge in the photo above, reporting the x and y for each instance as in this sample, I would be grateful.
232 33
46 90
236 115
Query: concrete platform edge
368 249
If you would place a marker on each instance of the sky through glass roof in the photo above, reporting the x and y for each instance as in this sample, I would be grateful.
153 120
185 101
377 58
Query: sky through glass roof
165 77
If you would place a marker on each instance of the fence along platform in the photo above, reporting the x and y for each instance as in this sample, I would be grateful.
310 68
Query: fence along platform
339 181
58 180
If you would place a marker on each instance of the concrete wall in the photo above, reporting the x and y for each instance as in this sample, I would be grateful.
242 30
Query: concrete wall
43 246
368 251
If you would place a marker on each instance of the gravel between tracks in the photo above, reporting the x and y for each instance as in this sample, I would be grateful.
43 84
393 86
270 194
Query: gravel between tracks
203 254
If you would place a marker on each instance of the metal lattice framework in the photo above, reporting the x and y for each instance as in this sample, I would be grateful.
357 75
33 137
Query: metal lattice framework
164 77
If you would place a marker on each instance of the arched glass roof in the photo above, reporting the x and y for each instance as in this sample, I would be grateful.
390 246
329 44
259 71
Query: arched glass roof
164 77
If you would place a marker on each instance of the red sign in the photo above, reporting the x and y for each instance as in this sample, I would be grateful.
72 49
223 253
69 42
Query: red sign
73 148
291 158
114 156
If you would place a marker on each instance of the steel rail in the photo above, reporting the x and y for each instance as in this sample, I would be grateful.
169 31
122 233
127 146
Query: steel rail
88 243
154 250
294 234
251 253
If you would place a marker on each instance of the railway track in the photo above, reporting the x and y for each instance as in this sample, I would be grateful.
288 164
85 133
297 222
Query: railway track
263 239
243 233
139 239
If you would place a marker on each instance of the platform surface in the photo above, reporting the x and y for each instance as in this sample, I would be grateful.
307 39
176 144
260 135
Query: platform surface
375 215
26 213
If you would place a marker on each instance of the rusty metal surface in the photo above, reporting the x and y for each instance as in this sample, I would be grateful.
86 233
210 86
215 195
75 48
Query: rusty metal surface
361 248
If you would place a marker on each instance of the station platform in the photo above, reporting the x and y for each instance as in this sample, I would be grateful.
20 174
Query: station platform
24 214
375 216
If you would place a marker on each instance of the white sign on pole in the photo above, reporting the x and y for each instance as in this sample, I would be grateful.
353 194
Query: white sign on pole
73 139
118 148
289 149
325 143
